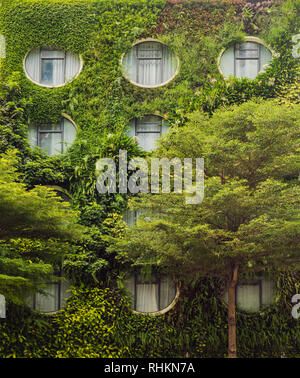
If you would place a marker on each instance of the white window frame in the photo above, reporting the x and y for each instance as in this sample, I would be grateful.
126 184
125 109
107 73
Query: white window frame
246 39
150 86
39 83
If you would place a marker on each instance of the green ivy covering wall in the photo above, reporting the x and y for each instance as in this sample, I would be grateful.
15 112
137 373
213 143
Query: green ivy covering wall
101 102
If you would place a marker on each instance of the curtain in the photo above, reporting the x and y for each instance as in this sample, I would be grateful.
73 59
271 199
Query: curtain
72 66
167 292
130 217
53 67
69 132
49 302
51 142
267 292
248 298
265 57
227 62
246 68
146 139
147 298
149 64
32 135
32 65
64 293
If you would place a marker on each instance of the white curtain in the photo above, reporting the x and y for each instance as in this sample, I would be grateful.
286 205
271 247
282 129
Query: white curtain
32 65
51 67
51 142
167 292
245 67
49 302
149 64
265 57
69 133
72 66
147 298
248 298
130 217
32 135
64 293
268 292
147 129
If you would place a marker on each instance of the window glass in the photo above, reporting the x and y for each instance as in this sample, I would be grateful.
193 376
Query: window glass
147 130
52 138
151 295
149 64
53 299
245 60
51 67
252 297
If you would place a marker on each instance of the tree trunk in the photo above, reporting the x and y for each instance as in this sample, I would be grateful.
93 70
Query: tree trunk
232 352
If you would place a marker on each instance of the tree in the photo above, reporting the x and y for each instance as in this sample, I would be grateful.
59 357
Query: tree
36 229
249 219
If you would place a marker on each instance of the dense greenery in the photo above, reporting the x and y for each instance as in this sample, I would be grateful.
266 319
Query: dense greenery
249 219
101 102
35 232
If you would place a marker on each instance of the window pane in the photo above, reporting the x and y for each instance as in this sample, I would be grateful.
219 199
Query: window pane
49 302
52 54
149 50
64 293
247 68
167 292
52 71
248 298
147 298
268 292
47 71
51 143
147 140
69 133
149 123
247 50
50 127
149 64
32 135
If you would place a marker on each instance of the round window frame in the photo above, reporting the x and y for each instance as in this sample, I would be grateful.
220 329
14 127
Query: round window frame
149 86
164 310
66 116
246 39
51 313
46 85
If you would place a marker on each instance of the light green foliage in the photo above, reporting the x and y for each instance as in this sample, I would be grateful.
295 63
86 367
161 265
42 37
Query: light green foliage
87 327
35 230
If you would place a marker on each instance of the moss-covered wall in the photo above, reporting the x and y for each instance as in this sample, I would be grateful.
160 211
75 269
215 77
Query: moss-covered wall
101 102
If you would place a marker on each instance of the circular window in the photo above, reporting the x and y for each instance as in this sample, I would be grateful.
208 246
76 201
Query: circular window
245 59
51 67
147 130
52 138
154 295
52 300
253 296
150 64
